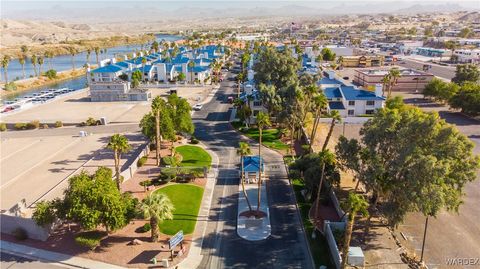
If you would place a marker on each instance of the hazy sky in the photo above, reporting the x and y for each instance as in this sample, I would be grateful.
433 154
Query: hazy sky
39 9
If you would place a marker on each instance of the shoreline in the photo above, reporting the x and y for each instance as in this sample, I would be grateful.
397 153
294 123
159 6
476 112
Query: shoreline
25 85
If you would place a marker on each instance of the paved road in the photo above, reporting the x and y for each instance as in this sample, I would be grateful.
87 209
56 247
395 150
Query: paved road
222 247
9 261
446 72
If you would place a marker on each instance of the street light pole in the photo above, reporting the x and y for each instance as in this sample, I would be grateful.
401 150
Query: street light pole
424 237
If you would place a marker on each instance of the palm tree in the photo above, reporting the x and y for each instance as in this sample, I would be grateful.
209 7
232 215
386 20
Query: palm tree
319 104
21 60
33 60
386 83
156 207
97 51
40 63
394 75
326 157
144 62
340 61
24 49
89 51
73 51
49 56
119 144
5 63
335 115
355 204
263 120
191 65
157 105
244 150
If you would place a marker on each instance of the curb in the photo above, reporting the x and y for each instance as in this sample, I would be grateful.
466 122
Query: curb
60 258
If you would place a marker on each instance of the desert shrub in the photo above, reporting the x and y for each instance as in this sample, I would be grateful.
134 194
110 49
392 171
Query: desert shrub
58 124
11 86
91 122
20 234
167 176
142 161
194 140
3 127
20 126
45 126
51 74
44 213
146 227
34 124
131 205
89 239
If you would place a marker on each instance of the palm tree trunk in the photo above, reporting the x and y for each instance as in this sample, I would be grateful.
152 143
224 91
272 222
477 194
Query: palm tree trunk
318 192
157 136
242 178
329 135
73 63
23 71
116 157
259 170
5 75
292 139
98 62
154 227
314 129
348 237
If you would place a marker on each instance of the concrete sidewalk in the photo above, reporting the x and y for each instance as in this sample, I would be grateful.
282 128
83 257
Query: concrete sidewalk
253 229
195 257
54 257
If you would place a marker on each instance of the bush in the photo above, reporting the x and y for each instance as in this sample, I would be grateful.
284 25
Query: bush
34 124
293 174
194 141
20 234
142 161
45 126
11 86
58 124
91 122
51 74
145 183
146 227
44 213
20 126
3 127
167 176
89 239
152 146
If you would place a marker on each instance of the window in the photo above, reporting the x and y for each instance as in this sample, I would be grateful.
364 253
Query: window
370 103
369 111
257 103
351 112
351 103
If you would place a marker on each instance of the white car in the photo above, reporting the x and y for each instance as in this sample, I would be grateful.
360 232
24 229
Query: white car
197 107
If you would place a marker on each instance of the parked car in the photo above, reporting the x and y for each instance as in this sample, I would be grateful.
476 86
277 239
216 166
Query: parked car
197 107
230 100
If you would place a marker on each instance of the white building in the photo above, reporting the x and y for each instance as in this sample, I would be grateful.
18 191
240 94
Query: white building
467 56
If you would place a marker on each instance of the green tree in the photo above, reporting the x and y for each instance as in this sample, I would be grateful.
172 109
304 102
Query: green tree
33 60
181 76
335 115
394 74
328 54
5 63
262 121
466 33
354 205
320 103
40 63
97 52
276 68
191 65
467 99
136 78
119 144
49 55
21 61
244 150
466 73
73 51
410 172
440 90
156 207
180 111
158 106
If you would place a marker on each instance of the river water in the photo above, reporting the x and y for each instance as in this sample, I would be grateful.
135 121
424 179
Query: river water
64 62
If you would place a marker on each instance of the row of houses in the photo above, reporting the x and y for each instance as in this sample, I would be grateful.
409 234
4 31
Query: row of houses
112 80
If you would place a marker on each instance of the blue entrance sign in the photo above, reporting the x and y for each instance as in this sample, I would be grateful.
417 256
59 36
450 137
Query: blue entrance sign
176 239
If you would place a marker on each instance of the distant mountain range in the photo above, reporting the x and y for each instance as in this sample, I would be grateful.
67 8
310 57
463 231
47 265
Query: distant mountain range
159 11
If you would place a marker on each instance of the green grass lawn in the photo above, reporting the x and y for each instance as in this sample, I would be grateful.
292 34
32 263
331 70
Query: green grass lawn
270 137
186 199
194 156
318 246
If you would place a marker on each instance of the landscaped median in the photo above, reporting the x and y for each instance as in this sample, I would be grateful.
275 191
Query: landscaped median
249 227
271 138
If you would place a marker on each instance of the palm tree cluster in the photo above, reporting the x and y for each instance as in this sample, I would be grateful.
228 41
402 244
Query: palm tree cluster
390 80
